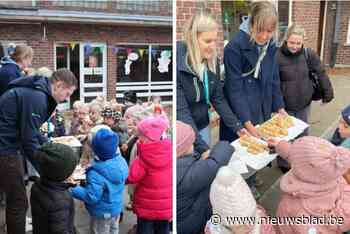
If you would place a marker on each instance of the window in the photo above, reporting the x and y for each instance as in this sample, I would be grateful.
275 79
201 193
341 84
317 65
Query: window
134 61
8 45
95 4
348 37
140 6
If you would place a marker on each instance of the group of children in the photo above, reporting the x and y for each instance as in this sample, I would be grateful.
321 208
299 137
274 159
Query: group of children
123 144
315 193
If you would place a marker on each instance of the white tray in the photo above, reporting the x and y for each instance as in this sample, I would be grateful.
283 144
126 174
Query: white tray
255 161
67 140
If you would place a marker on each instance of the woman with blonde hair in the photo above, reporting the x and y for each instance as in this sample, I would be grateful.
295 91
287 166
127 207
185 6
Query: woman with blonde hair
198 85
295 63
13 66
252 83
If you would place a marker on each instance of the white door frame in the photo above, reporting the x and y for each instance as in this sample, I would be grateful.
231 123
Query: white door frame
84 71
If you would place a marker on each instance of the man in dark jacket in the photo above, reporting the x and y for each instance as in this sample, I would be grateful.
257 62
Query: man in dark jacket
51 202
24 107
194 178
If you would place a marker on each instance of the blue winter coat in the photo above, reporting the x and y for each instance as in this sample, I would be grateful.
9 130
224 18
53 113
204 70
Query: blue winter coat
191 104
9 71
194 178
251 99
23 109
103 193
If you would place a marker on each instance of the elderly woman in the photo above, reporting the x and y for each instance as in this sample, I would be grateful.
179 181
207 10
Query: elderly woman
198 86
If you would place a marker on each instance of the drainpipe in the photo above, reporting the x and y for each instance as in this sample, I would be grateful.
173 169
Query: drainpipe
336 32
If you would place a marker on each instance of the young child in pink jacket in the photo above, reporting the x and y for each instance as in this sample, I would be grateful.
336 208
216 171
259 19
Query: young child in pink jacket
231 197
315 185
151 172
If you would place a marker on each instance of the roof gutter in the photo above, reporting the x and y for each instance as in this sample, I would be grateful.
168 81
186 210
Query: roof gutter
84 17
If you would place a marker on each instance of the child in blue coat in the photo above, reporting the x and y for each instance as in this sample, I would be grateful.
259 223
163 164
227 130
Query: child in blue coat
105 182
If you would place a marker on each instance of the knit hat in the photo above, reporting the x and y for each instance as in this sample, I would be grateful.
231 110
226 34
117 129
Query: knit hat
346 114
230 195
315 160
104 144
152 127
184 138
56 161
109 112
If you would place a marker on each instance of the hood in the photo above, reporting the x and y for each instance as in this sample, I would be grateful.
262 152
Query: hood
182 166
156 154
34 82
7 60
114 170
181 53
245 25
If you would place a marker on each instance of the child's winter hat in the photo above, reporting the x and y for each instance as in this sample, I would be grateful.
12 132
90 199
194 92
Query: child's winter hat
346 114
104 144
152 127
230 195
56 161
315 160
185 137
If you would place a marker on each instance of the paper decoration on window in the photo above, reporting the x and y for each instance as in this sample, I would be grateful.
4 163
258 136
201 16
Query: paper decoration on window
128 51
141 51
88 49
131 57
164 61
72 45
115 50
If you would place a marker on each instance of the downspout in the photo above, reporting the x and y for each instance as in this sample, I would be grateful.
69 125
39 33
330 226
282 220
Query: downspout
335 42
324 30
290 18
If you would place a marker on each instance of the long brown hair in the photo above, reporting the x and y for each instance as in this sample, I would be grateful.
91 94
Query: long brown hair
22 52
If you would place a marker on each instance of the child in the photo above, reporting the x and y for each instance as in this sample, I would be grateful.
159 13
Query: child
342 134
193 179
315 185
151 172
51 202
230 196
95 113
105 181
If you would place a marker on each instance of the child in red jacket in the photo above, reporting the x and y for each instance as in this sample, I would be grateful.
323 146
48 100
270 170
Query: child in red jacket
151 172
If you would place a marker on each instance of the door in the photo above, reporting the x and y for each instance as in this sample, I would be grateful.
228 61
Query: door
93 67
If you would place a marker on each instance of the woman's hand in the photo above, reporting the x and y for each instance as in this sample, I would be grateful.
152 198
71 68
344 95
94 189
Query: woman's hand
205 155
242 132
283 112
251 129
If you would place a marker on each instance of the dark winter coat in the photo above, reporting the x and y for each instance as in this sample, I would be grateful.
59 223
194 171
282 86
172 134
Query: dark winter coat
194 178
52 208
9 71
192 107
23 109
251 99
296 85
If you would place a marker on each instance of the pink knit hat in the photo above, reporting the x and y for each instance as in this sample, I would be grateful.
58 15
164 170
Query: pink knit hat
315 160
152 127
184 138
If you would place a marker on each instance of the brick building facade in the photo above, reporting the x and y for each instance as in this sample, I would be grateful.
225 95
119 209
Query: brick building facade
97 44
317 17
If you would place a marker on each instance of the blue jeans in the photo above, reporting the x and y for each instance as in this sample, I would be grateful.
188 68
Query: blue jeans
104 225
145 226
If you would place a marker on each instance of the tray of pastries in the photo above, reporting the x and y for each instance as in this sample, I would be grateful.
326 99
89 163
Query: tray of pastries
282 128
252 151
67 140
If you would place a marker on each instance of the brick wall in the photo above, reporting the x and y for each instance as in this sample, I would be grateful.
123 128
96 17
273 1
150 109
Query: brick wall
307 14
185 10
343 51
111 35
